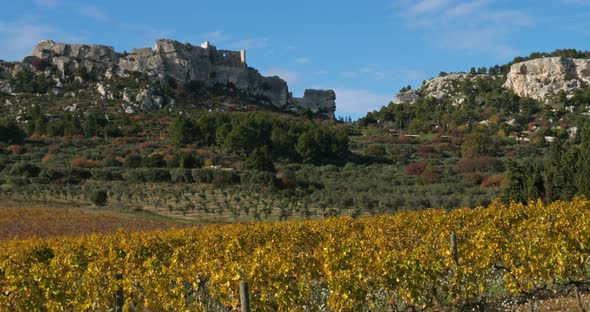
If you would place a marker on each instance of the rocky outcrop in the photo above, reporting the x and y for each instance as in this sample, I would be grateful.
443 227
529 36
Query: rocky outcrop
444 87
69 57
409 96
543 77
179 62
318 101
4 70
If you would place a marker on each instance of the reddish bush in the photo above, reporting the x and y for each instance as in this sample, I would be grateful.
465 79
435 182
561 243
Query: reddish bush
48 158
53 148
443 147
427 151
493 181
482 164
85 163
37 136
415 169
124 140
145 145
429 176
473 178
16 149
405 139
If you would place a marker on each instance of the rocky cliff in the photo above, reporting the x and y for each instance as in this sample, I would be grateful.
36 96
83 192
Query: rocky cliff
169 62
318 101
543 77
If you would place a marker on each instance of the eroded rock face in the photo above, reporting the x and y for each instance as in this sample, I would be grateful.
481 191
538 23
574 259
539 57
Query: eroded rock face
69 57
169 60
541 78
318 101
181 61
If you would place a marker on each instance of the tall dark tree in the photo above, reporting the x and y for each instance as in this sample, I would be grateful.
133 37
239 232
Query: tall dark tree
10 132
559 168
183 131
260 160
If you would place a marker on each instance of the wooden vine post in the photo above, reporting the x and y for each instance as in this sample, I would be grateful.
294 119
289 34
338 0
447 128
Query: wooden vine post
244 297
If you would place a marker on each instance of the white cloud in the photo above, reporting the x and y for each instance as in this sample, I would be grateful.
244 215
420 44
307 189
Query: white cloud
248 44
47 3
478 25
356 102
466 8
303 60
425 6
94 13
290 76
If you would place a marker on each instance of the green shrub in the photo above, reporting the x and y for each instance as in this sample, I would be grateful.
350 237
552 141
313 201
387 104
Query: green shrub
259 160
10 133
99 198
25 170
181 175
107 174
132 161
154 175
252 177
203 175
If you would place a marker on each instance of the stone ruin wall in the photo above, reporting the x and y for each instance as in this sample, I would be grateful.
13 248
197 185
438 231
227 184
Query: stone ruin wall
230 58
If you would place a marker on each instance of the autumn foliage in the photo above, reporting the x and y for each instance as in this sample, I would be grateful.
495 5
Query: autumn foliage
344 264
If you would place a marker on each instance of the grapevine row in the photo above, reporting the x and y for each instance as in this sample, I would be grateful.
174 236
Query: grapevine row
342 264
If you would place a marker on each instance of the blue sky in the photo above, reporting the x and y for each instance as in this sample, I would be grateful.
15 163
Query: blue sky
364 50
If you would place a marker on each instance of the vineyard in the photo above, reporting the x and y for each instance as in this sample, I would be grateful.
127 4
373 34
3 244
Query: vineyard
381 263
25 222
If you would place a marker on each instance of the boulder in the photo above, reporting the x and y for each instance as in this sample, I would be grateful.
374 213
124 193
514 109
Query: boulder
148 101
5 87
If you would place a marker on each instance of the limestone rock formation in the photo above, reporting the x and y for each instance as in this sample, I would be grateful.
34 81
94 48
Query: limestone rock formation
543 77
318 101
179 62
69 57
444 87
409 96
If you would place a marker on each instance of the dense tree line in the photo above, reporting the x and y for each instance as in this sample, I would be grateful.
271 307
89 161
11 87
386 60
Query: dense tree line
562 174
265 134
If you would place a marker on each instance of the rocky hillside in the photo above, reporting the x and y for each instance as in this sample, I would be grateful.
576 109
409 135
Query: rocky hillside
155 76
444 87
539 79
